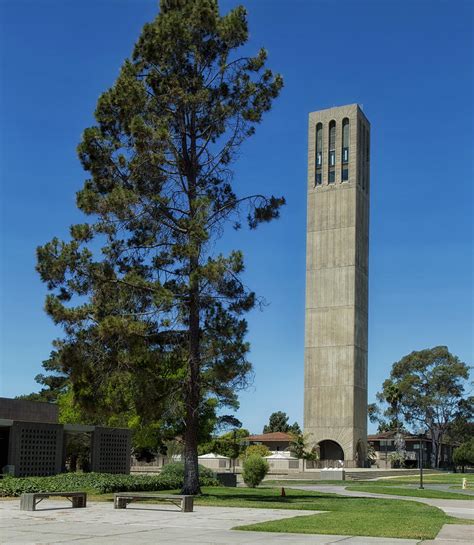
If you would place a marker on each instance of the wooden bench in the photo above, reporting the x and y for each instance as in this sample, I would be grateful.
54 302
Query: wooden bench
29 501
184 502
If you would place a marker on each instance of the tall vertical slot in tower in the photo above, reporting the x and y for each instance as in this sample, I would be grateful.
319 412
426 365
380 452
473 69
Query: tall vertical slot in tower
337 267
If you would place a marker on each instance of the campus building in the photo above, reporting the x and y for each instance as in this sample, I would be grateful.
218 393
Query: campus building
416 448
337 266
33 442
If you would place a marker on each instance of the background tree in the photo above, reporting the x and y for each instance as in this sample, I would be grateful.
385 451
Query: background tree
278 421
426 390
464 455
462 428
299 446
256 450
229 444
152 313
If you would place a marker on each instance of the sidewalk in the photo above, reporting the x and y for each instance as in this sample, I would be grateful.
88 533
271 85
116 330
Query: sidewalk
453 534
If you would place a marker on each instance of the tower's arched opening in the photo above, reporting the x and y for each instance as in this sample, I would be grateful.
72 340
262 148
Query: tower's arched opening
330 450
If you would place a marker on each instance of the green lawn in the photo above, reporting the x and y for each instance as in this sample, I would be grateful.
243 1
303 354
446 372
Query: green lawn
404 491
394 485
438 478
344 515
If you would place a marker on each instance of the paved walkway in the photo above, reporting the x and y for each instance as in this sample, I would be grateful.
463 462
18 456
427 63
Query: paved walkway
101 524
456 508
453 534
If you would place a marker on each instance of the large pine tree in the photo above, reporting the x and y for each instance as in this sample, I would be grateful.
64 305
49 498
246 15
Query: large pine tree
153 316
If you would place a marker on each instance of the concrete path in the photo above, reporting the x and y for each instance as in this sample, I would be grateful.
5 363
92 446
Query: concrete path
456 508
100 524
453 534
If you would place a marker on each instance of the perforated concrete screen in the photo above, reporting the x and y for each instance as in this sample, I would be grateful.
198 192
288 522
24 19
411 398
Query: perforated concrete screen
111 450
36 449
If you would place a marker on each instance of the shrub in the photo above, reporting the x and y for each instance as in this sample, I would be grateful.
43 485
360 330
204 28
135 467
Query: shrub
255 469
256 450
99 483
175 470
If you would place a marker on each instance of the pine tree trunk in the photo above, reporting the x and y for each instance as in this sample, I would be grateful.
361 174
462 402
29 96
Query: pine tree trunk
191 475
193 386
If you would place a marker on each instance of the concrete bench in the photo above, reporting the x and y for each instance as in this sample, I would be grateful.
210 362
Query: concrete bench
29 501
184 502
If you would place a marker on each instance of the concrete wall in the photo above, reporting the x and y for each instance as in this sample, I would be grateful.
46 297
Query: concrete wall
111 449
28 411
35 448
336 327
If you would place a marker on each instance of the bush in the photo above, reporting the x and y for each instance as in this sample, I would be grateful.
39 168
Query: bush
255 469
175 470
256 450
100 483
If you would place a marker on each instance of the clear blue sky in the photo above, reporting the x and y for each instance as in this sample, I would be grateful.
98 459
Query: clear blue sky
409 63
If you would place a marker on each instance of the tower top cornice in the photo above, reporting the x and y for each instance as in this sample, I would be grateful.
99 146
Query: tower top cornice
348 110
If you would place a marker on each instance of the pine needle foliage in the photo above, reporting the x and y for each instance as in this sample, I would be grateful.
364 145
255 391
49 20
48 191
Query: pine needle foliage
152 315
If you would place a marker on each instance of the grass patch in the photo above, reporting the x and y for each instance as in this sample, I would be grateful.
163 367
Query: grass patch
344 515
444 478
409 492
302 482
385 486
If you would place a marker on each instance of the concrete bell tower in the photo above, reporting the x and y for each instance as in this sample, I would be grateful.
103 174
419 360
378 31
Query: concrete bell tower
337 266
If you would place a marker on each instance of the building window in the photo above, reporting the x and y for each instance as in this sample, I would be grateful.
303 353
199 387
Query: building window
345 140
332 153
345 174
332 136
319 153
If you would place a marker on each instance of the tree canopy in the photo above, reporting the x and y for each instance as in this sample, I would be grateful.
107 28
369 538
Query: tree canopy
278 421
152 312
426 392
464 454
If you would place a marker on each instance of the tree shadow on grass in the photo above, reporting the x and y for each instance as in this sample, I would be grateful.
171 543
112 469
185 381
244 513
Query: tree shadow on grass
305 499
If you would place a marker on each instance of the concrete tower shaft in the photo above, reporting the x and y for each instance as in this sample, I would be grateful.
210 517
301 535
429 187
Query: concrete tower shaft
337 265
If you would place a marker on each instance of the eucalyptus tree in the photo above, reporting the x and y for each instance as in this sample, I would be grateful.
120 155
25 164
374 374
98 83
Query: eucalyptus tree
426 390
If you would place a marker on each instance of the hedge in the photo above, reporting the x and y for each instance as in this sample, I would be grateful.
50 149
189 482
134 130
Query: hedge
175 470
98 483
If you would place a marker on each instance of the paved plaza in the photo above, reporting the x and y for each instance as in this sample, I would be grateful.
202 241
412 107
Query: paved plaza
144 524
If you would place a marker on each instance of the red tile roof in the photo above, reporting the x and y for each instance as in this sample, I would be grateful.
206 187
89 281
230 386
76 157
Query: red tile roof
277 436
